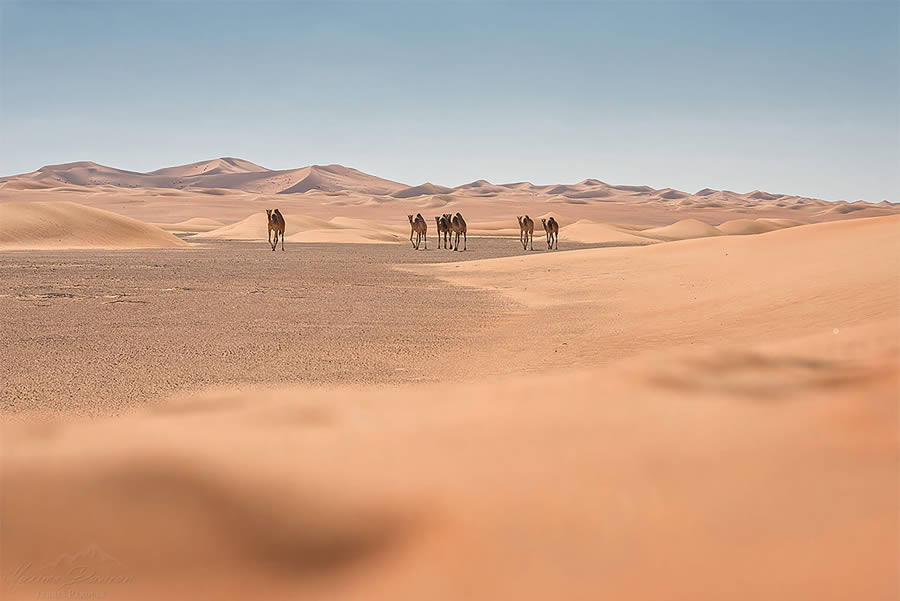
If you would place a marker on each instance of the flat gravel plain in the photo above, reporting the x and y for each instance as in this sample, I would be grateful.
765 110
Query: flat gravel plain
100 332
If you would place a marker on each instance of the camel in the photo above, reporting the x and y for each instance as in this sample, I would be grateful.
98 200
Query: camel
420 228
526 231
443 229
552 229
276 224
458 226
448 217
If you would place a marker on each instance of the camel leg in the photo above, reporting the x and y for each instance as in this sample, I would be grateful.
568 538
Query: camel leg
556 239
282 241
425 236
270 237
465 241
276 242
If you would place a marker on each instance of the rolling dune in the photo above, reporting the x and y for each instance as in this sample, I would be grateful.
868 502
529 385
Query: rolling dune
60 224
228 189
716 290
195 225
308 229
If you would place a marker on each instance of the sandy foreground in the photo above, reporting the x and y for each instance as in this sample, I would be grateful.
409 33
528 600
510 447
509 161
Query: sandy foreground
713 417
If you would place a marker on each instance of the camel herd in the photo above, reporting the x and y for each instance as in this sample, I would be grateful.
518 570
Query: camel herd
526 231
449 229
450 226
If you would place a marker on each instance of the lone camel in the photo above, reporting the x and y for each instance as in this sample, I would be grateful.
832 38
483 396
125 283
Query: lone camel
276 224
420 229
443 229
552 229
526 231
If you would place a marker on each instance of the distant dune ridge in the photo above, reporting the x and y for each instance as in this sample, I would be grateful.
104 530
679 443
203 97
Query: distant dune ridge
226 198
239 174
227 173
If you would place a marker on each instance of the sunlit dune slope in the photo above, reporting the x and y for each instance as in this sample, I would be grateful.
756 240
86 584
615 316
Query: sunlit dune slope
60 224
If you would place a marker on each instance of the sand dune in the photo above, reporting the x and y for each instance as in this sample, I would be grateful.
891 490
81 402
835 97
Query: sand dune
35 225
255 227
334 178
227 189
224 173
716 290
213 167
308 229
425 189
742 227
601 233
821 261
682 230
195 225
597 233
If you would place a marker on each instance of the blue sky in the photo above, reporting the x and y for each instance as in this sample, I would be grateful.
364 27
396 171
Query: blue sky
789 97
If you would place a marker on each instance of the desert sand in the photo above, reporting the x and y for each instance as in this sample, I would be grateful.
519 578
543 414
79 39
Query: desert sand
684 402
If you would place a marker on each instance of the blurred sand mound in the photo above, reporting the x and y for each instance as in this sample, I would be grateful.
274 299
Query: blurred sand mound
374 494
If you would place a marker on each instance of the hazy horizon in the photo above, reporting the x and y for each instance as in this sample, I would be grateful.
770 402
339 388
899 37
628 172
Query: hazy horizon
788 97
